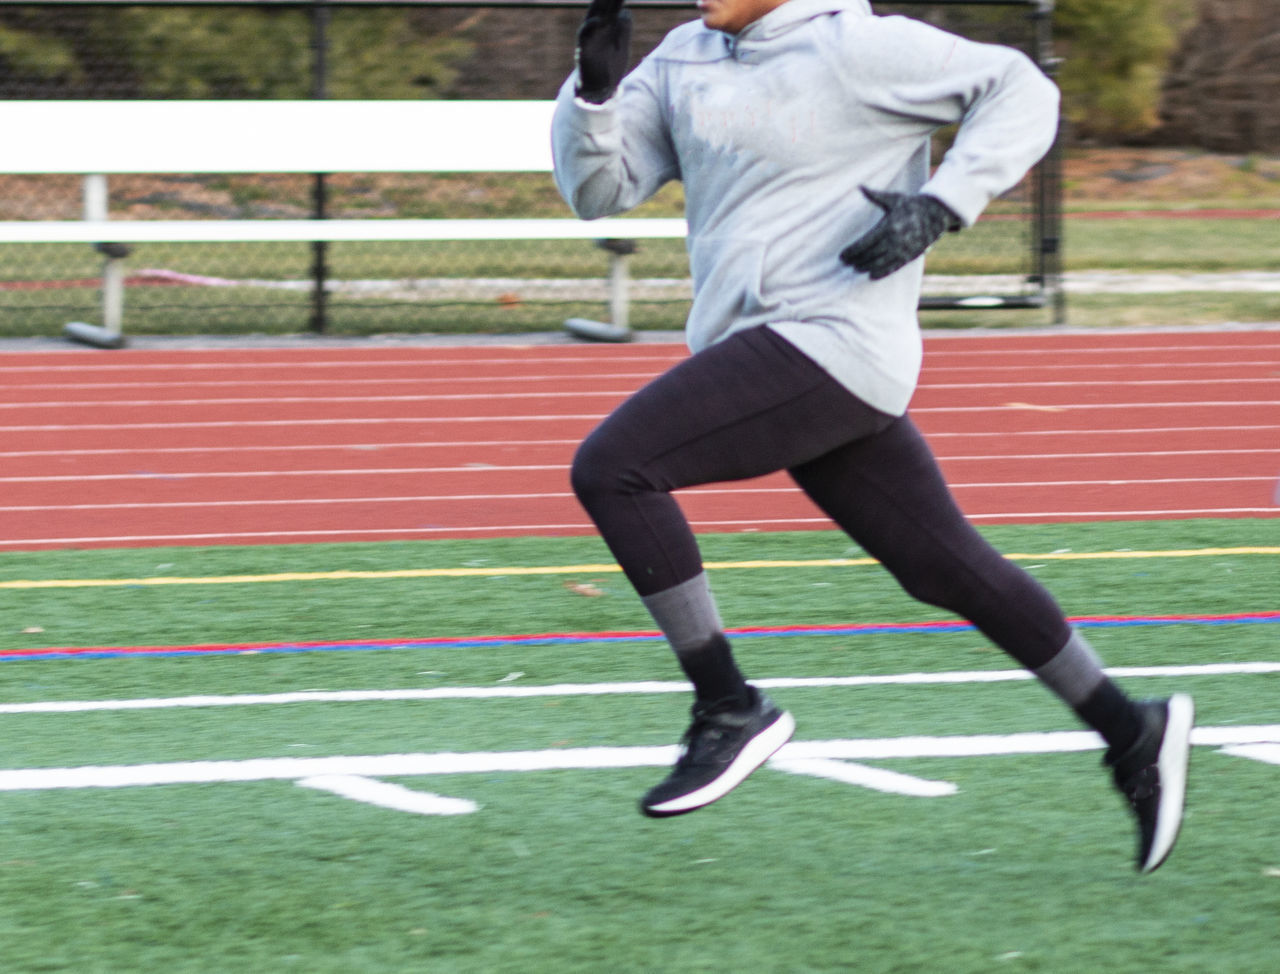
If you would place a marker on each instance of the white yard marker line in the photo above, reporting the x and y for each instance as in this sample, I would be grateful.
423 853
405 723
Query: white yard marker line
587 758
863 776
386 795
1267 753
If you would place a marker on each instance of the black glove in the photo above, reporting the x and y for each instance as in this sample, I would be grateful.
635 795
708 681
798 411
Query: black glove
910 226
604 49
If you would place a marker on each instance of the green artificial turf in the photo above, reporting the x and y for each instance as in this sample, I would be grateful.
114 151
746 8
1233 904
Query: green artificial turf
1026 867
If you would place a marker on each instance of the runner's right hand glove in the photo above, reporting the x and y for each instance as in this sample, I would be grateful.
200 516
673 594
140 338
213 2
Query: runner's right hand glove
604 50
911 224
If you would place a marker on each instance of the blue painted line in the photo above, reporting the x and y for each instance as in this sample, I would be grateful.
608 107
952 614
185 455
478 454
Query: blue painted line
569 639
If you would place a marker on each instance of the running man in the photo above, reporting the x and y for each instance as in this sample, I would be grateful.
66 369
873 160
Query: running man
800 130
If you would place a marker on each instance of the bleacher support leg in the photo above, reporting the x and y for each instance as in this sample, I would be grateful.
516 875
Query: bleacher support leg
619 330
110 334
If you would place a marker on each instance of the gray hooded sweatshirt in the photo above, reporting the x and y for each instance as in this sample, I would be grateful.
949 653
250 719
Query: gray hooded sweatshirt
772 132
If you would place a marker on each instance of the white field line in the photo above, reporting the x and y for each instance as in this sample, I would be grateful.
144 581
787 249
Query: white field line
1265 752
359 778
588 758
877 779
513 691
387 795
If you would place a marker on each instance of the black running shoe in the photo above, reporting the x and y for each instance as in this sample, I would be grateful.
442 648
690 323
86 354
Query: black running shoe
1152 774
721 747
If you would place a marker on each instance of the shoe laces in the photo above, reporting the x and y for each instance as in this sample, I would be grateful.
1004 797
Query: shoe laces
706 731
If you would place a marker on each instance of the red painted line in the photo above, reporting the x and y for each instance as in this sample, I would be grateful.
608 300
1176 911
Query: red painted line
1235 213
471 642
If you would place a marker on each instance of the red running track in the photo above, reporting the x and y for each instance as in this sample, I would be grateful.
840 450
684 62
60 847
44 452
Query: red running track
255 446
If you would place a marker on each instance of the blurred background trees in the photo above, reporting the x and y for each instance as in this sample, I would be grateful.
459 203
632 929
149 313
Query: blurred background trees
1115 53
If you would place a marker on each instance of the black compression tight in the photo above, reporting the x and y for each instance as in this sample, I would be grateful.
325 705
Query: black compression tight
753 404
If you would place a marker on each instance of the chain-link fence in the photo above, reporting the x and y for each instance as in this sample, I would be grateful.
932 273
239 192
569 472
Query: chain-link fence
366 49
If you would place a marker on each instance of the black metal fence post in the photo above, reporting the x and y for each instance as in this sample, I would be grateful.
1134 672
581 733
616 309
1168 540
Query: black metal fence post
319 192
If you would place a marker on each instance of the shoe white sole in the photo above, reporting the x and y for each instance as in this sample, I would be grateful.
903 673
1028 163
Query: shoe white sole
758 750
1171 763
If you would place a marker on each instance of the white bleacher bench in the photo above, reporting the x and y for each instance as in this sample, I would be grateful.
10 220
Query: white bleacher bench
96 139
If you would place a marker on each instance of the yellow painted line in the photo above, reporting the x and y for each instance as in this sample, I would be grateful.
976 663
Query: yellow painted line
339 576
1185 553
336 576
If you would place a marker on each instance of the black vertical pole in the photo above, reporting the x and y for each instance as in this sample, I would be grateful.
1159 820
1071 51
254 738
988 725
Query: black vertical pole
1049 181
319 90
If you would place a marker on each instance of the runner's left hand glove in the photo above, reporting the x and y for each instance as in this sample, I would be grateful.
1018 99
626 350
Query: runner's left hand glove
912 223
604 50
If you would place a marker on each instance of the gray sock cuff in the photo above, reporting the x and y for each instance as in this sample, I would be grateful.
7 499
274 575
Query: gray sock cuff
1074 673
686 613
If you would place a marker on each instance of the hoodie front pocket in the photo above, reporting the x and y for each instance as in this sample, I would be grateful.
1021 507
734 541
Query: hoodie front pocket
728 283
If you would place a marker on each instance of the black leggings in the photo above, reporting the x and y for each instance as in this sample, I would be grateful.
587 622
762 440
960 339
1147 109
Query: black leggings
753 404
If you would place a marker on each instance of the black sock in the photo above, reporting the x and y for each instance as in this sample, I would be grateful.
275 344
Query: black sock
713 672
1113 715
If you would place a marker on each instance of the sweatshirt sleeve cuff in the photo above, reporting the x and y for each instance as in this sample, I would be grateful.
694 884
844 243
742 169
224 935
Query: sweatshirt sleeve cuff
959 198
